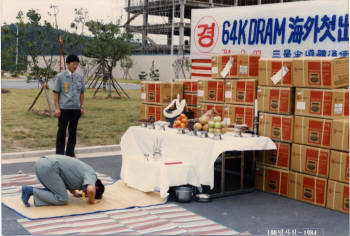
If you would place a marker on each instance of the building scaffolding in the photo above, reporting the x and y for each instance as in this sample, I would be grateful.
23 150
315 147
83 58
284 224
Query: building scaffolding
163 9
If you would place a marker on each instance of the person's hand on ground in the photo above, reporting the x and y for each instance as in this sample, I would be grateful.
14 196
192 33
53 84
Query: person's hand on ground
76 194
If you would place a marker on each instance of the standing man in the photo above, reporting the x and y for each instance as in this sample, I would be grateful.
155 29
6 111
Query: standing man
69 91
58 173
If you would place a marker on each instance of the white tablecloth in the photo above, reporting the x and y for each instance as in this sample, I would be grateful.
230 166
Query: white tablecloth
185 159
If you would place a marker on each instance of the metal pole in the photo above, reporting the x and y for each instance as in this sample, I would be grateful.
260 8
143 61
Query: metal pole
211 3
181 27
145 24
172 44
17 47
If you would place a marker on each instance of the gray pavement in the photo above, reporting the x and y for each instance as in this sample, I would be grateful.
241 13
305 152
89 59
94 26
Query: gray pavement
23 84
255 212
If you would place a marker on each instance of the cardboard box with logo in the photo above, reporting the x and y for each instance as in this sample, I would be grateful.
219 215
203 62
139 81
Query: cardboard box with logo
191 99
204 107
239 114
240 91
310 160
339 166
151 111
338 196
277 127
276 100
319 132
275 72
321 72
157 92
189 85
340 134
279 158
234 66
210 90
322 103
271 180
307 188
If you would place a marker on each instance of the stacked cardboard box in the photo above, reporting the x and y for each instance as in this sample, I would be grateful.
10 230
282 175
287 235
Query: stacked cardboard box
156 95
210 95
231 113
190 88
240 95
232 89
319 137
271 179
235 66
318 72
211 91
320 127
275 96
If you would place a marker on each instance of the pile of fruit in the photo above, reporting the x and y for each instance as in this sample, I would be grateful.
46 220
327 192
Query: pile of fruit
181 121
214 125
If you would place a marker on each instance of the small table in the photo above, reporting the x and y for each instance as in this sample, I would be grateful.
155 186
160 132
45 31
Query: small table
185 159
234 173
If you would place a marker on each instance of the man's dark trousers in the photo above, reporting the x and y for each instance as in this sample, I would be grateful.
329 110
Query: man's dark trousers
70 118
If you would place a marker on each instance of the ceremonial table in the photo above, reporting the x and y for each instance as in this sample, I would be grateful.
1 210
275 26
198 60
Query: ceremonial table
155 159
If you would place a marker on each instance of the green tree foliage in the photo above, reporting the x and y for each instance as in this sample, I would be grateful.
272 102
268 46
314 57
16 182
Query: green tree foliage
126 64
8 49
108 45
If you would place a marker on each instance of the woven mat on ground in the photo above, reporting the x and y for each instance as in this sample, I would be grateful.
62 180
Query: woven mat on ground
11 184
167 219
116 196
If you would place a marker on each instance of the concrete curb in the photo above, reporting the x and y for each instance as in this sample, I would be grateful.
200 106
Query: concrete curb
81 150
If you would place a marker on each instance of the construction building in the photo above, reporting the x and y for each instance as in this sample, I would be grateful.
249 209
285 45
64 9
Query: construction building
177 14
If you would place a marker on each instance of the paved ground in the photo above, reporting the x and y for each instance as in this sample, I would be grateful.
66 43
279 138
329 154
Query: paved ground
255 212
22 84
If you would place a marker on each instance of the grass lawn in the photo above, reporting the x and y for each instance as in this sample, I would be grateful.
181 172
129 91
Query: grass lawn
104 122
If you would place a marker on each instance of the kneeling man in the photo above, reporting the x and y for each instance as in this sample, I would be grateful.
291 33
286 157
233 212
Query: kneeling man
59 173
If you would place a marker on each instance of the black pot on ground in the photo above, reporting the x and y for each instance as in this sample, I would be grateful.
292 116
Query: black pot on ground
183 193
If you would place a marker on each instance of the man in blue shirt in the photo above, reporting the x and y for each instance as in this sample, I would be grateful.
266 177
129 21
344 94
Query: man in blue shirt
59 173
69 91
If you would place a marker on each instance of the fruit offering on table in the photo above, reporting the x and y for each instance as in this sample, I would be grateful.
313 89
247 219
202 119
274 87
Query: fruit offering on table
190 124
181 121
214 125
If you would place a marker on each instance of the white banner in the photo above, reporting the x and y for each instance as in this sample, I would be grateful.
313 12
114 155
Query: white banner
311 28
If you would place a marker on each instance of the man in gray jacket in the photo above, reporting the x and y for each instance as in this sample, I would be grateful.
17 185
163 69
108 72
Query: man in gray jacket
69 91
59 173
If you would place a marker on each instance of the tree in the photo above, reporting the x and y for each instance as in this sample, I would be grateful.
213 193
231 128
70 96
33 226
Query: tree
180 65
30 32
126 64
13 58
153 72
107 46
78 25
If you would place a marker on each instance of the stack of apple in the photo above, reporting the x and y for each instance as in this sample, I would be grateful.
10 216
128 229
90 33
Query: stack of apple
181 121
213 126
